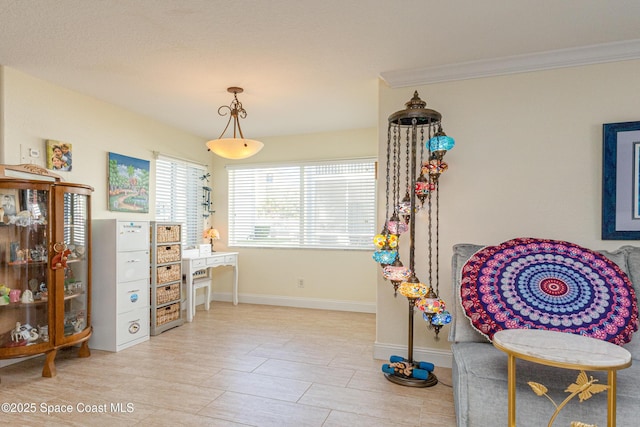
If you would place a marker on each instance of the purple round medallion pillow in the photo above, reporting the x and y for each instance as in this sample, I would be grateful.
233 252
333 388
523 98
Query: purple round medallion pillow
529 283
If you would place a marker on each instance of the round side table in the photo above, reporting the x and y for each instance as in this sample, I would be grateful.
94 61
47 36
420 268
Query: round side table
562 350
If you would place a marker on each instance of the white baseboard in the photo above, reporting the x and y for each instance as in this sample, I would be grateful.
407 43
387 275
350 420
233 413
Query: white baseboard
322 304
442 358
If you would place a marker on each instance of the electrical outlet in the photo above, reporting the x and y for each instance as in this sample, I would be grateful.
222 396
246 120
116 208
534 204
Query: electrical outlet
300 283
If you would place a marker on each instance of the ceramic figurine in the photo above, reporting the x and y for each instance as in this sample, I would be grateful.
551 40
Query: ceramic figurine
19 333
33 335
78 325
27 297
14 295
44 332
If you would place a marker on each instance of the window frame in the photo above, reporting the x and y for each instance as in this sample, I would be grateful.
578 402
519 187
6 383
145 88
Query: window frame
308 234
192 195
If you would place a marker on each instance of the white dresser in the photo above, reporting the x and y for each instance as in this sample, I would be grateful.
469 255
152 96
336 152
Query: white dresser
120 300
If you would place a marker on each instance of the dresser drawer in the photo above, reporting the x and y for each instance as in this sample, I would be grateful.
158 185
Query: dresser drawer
133 295
215 261
133 266
132 325
133 236
220 260
198 263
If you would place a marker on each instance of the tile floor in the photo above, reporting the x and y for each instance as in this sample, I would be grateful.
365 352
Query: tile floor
245 365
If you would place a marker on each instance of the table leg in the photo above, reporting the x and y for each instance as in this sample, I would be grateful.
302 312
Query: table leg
611 399
235 283
511 383
189 299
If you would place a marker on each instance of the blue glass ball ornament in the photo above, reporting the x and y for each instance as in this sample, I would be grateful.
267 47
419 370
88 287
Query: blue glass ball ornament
441 319
440 142
385 256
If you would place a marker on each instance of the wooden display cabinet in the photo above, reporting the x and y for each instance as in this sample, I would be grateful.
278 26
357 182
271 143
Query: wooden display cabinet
45 264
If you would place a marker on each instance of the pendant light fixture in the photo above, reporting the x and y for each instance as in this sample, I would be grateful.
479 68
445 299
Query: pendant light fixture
237 147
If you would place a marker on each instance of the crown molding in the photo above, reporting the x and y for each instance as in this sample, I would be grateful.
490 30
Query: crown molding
562 58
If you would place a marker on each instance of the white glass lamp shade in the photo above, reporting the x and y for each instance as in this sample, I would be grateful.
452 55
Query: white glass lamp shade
234 148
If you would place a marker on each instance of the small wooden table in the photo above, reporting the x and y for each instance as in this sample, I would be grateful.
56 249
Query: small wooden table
562 350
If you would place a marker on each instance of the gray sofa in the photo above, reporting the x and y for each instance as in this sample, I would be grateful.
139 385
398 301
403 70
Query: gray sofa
480 370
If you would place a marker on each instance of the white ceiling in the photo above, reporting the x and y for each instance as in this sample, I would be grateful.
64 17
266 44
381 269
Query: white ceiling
306 66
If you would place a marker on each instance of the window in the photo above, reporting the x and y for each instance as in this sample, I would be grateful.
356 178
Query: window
304 205
179 196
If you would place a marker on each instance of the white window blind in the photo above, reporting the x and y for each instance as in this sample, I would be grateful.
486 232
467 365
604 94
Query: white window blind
327 204
179 196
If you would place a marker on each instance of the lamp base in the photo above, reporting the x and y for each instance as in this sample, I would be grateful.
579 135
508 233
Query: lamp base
413 382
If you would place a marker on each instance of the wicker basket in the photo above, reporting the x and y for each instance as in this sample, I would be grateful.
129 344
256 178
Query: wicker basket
168 233
168 273
164 294
167 314
168 253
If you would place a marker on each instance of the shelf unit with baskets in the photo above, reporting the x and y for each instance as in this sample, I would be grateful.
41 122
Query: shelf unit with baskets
166 276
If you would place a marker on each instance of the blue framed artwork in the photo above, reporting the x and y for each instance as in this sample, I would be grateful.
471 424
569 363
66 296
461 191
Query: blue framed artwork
621 181
128 184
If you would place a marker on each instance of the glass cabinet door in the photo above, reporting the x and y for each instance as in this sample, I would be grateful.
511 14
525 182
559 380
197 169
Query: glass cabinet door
24 273
75 235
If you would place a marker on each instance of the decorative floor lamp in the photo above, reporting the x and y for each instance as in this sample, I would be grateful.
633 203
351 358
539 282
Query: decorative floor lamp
416 146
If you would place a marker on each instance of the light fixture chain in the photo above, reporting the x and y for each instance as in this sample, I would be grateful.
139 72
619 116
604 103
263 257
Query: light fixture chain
410 135
396 178
387 181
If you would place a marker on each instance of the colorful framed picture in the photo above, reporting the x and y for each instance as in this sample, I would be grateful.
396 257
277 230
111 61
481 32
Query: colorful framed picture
621 181
59 155
128 184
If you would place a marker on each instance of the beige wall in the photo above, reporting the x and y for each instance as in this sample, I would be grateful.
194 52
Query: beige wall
527 162
332 279
35 110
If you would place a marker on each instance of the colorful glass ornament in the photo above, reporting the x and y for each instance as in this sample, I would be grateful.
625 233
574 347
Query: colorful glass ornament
441 319
379 240
440 142
404 208
436 167
385 256
397 273
397 227
430 305
423 187
413 290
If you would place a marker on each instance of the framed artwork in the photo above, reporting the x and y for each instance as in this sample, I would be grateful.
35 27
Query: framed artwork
621 181
128 184
9 202
59 155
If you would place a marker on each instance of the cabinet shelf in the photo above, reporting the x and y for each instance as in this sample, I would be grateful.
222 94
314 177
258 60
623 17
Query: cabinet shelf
21 304
17 305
